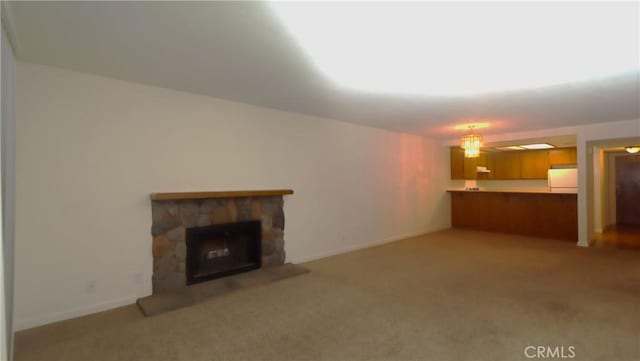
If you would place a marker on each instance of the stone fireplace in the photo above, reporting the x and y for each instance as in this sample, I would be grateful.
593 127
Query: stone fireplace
214 219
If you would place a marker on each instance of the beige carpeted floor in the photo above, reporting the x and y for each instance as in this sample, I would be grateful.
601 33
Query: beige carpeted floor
451 295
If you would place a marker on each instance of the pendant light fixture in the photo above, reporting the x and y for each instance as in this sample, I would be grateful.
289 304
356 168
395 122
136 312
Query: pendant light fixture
471 144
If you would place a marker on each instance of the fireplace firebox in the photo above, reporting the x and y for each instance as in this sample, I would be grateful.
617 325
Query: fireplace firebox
222 249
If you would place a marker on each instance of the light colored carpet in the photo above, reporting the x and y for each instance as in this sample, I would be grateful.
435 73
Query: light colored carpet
190 295
451 295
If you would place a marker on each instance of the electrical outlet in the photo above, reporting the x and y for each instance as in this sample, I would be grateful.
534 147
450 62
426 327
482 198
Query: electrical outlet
90 286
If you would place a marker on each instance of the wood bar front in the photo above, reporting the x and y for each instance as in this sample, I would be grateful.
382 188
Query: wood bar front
548 215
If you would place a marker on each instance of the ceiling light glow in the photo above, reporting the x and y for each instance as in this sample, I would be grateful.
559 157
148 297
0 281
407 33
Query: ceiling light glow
466 126
537 146
510 147
446 49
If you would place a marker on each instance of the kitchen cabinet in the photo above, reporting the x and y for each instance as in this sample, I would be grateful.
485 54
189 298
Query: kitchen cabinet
506 165
534 164
467 168
461 167
522 164
457 163
563 156
470 168
484 160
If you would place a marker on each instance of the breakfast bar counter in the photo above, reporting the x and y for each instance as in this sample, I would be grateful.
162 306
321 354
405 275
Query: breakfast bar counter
514 190
532 212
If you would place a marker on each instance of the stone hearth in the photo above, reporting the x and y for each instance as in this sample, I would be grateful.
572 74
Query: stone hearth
173 216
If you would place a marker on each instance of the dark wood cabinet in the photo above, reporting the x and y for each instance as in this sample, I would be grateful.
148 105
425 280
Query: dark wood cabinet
549 215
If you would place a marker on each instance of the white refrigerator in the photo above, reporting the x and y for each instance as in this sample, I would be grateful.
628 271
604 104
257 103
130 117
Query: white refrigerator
563 180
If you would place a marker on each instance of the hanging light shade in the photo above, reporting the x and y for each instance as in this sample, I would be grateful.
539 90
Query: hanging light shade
471 144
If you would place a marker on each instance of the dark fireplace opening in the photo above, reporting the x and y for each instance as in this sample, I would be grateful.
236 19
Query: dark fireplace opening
222 250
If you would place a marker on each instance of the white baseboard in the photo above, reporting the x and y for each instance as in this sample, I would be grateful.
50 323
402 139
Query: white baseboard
23 324
356 247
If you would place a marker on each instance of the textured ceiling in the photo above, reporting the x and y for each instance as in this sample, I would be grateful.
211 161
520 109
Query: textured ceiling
237 51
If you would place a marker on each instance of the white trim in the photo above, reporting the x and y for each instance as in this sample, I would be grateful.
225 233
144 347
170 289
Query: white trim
61 316
352 248
3 320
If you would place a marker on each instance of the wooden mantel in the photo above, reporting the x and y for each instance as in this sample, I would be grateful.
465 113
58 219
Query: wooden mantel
223 194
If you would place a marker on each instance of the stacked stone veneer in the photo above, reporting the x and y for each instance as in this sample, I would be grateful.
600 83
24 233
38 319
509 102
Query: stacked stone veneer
172 218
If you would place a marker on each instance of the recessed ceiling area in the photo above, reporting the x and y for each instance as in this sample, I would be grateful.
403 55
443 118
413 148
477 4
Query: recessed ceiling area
241 51
562 141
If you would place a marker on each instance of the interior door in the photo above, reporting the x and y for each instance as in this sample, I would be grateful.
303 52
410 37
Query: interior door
628 189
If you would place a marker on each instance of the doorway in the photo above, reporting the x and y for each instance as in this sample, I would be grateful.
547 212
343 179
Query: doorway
617 213
628 190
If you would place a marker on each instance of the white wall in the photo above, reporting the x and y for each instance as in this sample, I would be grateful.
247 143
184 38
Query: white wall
91 149
7 156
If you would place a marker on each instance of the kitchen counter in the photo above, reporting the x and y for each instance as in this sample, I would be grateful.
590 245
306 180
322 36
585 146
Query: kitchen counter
531 212
514 190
